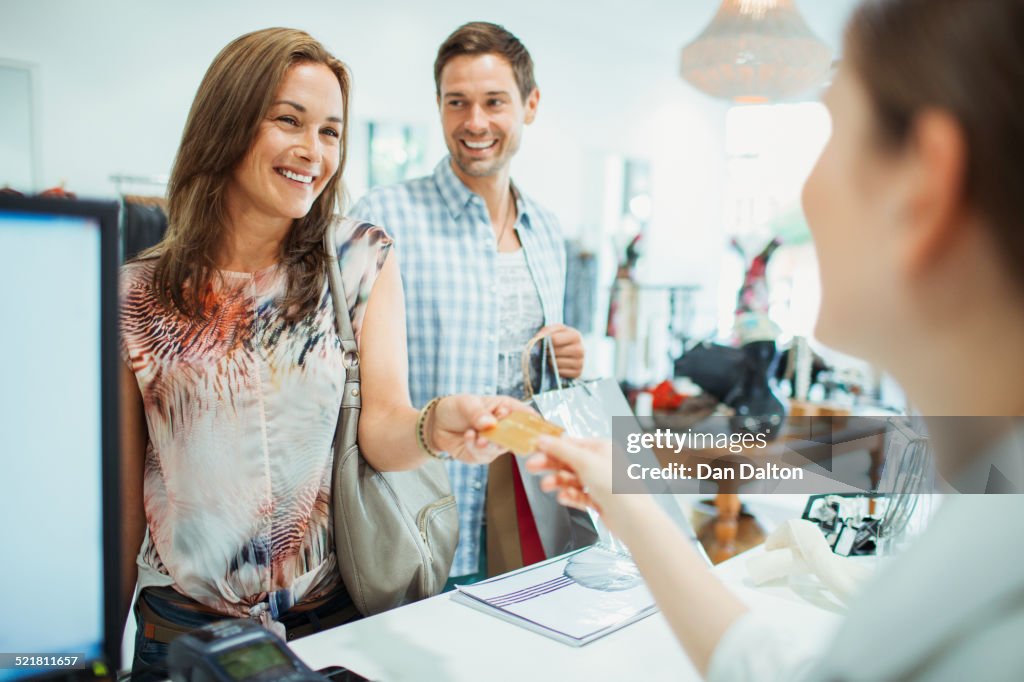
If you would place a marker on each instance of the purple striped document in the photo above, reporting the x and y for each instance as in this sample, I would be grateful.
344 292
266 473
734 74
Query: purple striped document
575 598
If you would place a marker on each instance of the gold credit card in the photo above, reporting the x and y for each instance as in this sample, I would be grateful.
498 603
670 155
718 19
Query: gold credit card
519 432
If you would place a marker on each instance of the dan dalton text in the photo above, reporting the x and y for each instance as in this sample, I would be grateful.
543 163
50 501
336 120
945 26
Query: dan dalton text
705 472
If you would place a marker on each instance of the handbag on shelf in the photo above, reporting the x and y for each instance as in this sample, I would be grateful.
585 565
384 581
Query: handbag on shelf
717 369
395 533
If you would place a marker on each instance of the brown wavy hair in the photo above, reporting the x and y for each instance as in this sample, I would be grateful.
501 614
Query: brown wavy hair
231 102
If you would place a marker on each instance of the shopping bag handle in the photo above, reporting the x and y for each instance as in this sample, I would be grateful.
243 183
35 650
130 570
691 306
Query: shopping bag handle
525 361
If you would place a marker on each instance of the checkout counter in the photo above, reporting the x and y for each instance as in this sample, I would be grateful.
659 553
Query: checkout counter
439 639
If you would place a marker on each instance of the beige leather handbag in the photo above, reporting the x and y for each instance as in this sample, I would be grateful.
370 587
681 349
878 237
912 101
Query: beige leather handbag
394 533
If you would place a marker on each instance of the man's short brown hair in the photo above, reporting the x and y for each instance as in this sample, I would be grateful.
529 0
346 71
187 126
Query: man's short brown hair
482 37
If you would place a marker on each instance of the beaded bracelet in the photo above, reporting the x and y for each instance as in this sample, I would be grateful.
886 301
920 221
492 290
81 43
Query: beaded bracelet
421 429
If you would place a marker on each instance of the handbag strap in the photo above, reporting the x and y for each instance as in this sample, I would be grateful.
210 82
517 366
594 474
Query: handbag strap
525 362
343 323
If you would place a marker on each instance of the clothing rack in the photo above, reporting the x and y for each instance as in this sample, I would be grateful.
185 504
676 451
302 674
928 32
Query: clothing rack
143 216
122 179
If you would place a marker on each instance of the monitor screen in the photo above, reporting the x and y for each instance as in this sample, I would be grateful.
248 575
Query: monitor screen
58 411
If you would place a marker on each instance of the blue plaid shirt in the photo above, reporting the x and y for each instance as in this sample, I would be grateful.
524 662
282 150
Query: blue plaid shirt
447 253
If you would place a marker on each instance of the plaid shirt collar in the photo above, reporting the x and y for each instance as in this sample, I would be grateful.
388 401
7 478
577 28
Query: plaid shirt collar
457 196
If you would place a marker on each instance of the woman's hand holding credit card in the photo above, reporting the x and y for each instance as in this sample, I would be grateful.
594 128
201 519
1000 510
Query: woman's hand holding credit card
519 432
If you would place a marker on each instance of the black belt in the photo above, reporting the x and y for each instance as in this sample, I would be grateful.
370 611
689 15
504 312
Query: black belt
164 631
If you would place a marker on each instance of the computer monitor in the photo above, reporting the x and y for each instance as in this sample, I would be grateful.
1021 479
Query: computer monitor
59 456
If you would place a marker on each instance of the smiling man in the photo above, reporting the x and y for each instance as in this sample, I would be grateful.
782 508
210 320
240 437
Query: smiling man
484 270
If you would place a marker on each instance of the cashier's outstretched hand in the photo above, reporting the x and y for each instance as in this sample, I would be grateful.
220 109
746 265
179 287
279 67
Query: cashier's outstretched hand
578 469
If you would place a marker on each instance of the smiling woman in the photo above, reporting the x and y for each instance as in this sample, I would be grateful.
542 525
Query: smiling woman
294 156
234 370
220 176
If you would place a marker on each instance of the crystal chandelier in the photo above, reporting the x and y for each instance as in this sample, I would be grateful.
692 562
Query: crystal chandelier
756 51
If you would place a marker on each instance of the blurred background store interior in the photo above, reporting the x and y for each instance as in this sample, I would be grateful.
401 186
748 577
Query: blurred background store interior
96 94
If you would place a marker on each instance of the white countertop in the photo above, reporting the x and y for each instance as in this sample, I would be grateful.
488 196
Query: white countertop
440 640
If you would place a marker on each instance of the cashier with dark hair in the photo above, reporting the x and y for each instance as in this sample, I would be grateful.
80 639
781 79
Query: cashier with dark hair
915 206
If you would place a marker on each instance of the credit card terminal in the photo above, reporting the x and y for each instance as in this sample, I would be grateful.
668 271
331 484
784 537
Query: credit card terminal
235 651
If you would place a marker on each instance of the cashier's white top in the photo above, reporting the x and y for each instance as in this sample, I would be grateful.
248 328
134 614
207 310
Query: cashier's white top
951 608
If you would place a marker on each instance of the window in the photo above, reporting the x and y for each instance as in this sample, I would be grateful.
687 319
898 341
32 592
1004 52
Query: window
771 150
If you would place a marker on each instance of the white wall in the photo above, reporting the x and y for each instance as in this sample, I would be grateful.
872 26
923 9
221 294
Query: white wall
116 79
